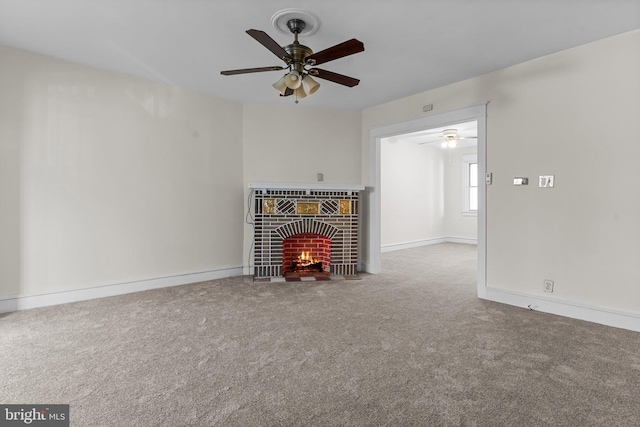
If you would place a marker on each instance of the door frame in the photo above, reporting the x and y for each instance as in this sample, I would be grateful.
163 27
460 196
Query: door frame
372 228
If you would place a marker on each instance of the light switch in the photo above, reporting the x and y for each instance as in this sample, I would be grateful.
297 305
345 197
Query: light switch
546 181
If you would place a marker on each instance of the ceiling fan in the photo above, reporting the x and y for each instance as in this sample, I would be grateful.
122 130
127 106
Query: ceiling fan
298 58
449 138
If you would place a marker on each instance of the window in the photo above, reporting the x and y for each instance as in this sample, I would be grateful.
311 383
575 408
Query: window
470 184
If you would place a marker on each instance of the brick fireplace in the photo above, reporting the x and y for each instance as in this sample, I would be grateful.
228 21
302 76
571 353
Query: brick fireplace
305 228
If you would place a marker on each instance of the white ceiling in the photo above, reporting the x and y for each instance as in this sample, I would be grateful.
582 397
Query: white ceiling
410 45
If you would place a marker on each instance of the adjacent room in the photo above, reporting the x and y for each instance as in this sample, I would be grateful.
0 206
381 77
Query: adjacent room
334 213
429 185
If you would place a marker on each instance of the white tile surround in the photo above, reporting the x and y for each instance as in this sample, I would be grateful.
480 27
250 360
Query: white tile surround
278 211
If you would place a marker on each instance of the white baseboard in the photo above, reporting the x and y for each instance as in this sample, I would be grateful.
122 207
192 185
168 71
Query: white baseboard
603 315
462 240
24 302
413 244
425 242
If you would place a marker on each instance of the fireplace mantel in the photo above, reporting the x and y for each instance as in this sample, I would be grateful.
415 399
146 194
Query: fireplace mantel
298 186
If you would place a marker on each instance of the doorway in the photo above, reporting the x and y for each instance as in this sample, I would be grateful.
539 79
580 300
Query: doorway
372 230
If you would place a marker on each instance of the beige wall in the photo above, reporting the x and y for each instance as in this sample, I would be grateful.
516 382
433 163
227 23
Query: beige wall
573 114
107 178
293 143
10 128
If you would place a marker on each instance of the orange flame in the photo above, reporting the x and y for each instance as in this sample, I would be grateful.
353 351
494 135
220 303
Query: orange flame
305 258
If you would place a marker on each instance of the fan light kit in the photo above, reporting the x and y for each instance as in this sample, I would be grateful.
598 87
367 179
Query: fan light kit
449 138
297 57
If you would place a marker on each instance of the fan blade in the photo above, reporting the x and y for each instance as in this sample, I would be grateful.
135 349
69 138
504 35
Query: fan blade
338 51
266 41
467 137
251 70
287 92
334 77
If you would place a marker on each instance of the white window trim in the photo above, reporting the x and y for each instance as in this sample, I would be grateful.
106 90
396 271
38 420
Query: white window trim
466 160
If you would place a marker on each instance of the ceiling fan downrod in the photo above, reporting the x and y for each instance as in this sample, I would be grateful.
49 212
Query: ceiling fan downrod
297 51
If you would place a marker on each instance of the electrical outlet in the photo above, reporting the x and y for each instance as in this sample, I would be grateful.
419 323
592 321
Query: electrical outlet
548 285
320 177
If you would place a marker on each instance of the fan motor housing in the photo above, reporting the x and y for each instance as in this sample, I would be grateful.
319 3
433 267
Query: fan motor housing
299 53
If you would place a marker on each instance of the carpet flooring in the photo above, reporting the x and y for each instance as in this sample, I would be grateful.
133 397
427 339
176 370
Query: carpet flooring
412 346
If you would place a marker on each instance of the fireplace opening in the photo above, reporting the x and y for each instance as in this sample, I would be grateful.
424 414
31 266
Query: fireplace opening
306 254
